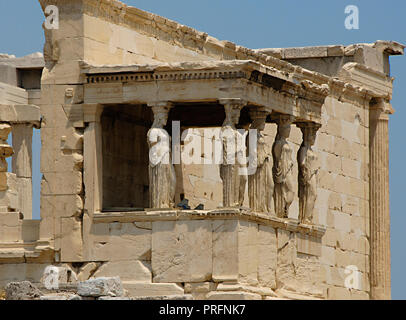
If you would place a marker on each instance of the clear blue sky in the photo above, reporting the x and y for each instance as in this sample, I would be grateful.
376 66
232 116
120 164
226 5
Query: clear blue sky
260 24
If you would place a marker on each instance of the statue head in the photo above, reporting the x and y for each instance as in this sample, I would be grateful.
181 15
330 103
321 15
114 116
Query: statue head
284 126
258 118
258 123
160 117
232 115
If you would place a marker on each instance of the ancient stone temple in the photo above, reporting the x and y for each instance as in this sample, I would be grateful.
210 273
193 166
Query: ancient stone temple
121 96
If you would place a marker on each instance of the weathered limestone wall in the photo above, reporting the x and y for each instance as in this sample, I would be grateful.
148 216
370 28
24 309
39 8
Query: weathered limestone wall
10 94
109 43
201 183
213 258
21 271
62 135
343 197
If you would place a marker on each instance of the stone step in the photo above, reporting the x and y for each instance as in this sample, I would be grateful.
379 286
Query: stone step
139 289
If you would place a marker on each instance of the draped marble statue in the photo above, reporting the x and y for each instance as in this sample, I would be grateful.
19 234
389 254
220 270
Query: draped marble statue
233 171
162 177
241 162
283 168
260 184
308 169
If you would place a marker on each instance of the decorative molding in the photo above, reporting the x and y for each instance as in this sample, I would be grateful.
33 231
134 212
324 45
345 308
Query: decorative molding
368 78
218 70
163 76
307 84
217 214
234 102
20 113
25 250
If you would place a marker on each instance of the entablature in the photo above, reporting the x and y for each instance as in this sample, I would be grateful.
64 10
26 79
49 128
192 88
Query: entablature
210 81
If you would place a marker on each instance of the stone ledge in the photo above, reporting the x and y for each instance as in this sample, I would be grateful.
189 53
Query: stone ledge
11 252
33 60
216 214
389 47
263 291
141 289
286 294
232 295
361 75
20 113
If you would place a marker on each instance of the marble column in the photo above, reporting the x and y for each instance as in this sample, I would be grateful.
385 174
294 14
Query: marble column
380 276
162 176
232 172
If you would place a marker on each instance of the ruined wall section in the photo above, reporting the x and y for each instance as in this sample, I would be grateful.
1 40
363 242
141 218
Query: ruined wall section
62 133
114 33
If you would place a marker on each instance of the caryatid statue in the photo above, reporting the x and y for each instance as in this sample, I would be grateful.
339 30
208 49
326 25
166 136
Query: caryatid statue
162 176
283 168
308 169
260 184
233 170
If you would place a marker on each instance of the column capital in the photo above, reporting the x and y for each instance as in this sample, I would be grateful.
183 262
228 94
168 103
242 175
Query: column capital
232 108
284 118
380 109
258 117
308 125
258 112
234 102
157 105
160 109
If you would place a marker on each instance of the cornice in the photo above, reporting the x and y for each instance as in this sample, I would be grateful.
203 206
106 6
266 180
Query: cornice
250 71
